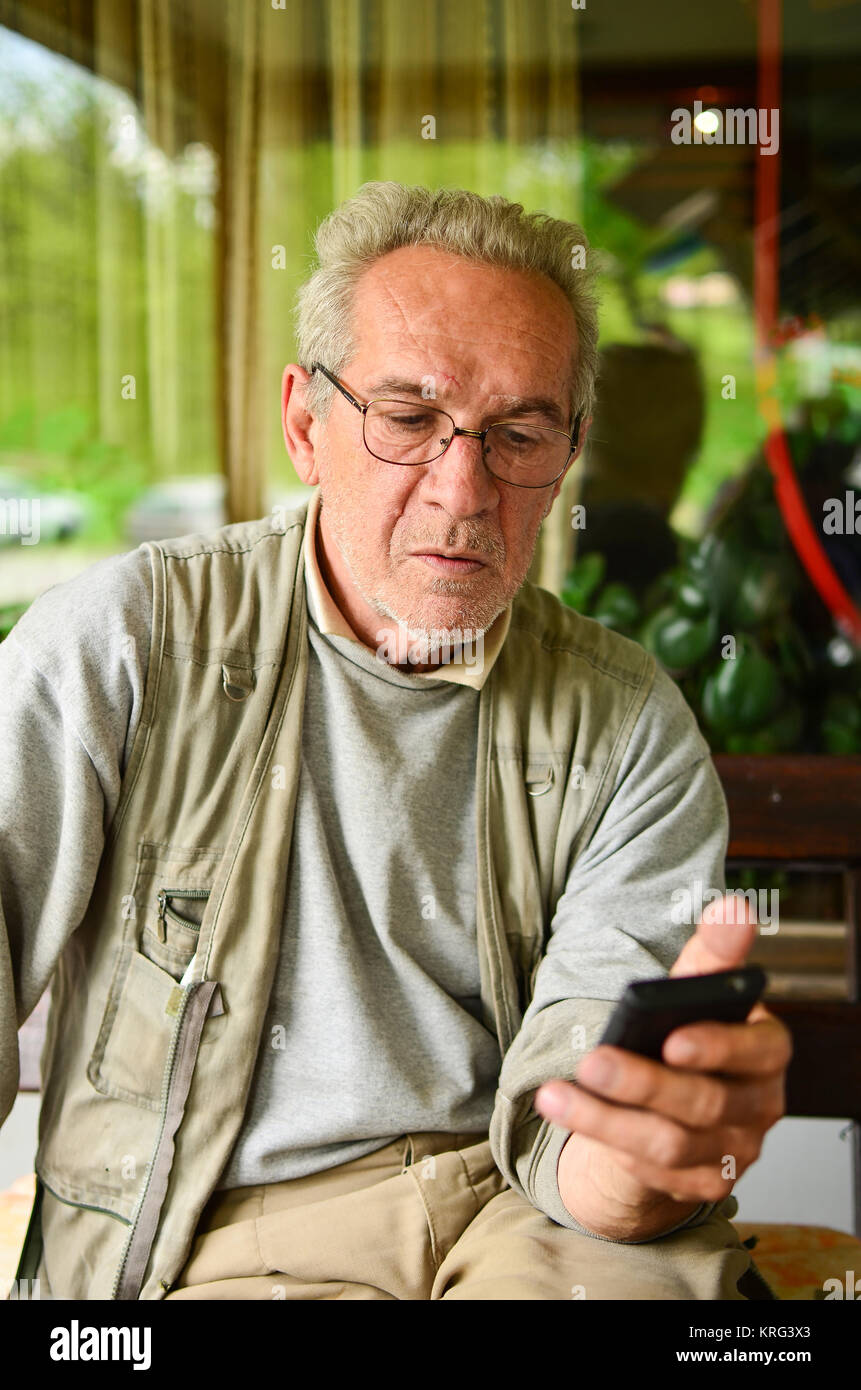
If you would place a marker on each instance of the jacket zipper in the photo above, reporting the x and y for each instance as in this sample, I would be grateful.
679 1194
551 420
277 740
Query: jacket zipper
164 911
165 1093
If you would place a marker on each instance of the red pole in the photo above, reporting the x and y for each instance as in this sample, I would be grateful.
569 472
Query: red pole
766 259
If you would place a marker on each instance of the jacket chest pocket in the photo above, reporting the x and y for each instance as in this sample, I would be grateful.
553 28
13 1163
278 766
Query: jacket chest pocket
171 926
165 911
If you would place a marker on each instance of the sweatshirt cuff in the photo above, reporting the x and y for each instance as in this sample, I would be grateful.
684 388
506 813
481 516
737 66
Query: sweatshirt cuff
544 1193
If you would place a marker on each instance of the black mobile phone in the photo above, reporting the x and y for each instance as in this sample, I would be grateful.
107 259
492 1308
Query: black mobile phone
650 1010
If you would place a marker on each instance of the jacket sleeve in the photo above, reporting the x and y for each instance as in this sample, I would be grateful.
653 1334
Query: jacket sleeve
71 674
622 917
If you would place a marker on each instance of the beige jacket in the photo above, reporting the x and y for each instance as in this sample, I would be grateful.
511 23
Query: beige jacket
148 1063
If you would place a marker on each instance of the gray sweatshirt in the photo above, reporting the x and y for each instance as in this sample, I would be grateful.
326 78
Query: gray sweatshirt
374 1026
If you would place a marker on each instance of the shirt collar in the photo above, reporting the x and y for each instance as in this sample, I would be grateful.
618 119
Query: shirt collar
332 623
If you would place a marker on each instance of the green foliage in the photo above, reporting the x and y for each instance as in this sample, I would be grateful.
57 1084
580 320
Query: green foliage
89 294
72 459
731 623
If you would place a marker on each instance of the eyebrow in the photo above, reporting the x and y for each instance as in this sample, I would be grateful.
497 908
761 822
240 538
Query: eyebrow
510 407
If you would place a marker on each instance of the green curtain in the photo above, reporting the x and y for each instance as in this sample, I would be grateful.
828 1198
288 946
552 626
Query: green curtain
296 103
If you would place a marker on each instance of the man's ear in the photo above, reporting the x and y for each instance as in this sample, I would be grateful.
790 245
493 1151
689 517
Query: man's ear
297 422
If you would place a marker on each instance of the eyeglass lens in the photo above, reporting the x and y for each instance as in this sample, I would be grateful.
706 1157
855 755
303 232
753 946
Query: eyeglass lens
398 432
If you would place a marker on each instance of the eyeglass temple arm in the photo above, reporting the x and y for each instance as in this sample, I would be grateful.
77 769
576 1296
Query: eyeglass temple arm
318 367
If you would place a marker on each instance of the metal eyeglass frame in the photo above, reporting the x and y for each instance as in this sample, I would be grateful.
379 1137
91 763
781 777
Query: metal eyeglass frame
572 438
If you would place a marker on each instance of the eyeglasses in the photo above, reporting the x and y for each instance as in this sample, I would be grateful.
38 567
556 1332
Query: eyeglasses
411 435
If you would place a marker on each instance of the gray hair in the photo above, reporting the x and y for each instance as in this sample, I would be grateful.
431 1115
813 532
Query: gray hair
382 217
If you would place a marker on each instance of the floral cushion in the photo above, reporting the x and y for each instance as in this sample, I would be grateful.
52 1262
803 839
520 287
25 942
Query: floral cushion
15 1205
797 1261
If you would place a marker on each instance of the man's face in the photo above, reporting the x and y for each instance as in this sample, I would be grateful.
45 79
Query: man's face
481 339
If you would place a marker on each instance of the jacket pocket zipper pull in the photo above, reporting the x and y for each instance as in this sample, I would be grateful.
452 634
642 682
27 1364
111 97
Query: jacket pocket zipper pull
161 928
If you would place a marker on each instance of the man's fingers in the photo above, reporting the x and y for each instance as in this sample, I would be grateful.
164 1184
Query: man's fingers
761 1045
705 1183
651 1137
699 1101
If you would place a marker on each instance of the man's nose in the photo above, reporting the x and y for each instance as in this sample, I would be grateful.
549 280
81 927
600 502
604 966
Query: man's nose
459 480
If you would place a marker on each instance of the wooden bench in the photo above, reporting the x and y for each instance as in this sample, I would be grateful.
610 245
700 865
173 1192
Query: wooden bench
805 812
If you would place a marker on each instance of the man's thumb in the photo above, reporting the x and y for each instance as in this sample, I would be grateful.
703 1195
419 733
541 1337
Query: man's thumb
722 940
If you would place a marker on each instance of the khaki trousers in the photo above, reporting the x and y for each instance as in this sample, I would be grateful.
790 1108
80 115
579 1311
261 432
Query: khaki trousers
431 1217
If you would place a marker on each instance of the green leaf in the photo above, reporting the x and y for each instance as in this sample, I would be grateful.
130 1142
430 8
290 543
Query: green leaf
743 692
583 579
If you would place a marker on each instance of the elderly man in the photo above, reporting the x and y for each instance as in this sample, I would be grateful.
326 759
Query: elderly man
340 841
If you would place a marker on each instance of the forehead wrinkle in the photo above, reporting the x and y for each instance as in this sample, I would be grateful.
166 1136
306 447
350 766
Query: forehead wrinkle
483 344
439 343
390 292
394 304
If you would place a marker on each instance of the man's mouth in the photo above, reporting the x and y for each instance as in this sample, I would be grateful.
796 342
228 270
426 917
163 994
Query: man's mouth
450 561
